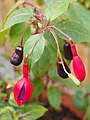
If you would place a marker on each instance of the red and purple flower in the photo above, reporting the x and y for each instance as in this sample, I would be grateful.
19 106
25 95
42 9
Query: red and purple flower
23 88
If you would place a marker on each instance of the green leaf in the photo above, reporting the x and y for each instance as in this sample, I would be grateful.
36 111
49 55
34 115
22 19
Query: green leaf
79 14
88 113
12 101
5 114
80 100
41 66
50 2
54 97
18 16
10 12
37 51
3 95
32 112
16 32
76 31
55 10
3 33
38 88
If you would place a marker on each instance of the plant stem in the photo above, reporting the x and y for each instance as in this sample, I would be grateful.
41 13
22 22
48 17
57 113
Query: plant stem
58 50
59 30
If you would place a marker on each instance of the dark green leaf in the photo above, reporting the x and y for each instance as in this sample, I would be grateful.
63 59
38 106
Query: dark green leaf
38 87
42 65
74 30
55 10
32 112
80 101
16 33
54 97
18 16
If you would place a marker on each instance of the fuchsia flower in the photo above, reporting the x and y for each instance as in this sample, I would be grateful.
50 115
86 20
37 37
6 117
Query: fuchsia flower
78 65
23 88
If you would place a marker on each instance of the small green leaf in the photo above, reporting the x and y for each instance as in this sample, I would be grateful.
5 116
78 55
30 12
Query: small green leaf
16 33
37 51
18 16
80 100
10 12
76 31
55 10
38 88
54 97
32 112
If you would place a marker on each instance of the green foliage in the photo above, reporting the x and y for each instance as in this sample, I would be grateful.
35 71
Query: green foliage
55 10
54 97
41 65
80 100
77 32
38 49
32 112
12 10
88 113
18 16
38 87
79 14
16 32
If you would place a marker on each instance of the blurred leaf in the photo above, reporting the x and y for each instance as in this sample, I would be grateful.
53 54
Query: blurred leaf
55 10
76 31
88 113
5 114
10 12
18 16
2 104
38 50
54 97
38 87
3 95
16 33
3 33
32 112
12 101
80 100
50 2
42 65
79 14
87 88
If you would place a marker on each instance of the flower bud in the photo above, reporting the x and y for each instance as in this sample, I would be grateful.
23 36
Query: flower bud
78 68
23 88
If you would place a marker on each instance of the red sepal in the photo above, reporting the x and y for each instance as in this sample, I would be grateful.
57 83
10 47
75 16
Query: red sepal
78 68
28 90
73 49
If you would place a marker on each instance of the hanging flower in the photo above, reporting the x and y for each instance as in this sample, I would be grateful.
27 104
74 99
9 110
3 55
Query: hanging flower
23 88
78 65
